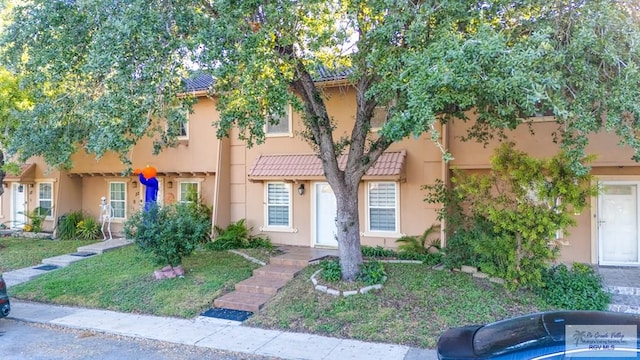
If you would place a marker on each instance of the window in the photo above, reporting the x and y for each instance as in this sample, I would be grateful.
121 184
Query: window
189 191
382 202
278 212
279 125
183 131
118 199
45 199
379 117
178 125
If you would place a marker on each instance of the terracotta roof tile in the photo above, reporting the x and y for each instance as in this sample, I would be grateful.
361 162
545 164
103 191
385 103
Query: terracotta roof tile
390 164
204 82
27 173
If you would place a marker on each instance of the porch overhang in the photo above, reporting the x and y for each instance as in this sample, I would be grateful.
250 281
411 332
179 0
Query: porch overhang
25 176
159 173
302 167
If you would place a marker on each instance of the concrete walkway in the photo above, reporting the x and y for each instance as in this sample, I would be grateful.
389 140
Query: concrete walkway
202 331
214 333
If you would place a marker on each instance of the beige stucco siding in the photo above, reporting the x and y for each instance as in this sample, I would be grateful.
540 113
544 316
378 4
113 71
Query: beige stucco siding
423 165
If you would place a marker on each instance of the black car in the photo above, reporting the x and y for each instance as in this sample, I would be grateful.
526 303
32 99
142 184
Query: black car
5 306
548 335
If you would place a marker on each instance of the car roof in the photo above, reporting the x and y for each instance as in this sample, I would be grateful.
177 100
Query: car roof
540 329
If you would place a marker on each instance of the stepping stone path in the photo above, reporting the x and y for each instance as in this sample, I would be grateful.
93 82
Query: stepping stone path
18 276
252 293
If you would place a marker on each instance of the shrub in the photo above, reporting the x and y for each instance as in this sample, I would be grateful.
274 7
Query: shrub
331 270
427 259
460 249
378 251
420 244
237 236
577 289
171 232
372 272
505 221
36 218
68 223
88 229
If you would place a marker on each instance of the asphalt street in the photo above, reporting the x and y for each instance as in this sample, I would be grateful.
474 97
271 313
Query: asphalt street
28 341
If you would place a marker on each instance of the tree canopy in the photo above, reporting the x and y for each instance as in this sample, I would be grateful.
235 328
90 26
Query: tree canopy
100 71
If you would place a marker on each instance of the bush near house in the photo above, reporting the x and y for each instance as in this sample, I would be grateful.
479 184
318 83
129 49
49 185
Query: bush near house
170 233
578 288
237 236
78 225
506 222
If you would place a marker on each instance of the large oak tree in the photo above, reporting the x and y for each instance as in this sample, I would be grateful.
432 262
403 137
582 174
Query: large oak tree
100 72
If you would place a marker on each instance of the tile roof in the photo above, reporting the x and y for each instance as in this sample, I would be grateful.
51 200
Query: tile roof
26 175
203 82
198 82
306 166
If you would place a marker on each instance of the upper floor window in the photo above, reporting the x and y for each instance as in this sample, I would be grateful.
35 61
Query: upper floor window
45 198
382 206
179 126
183 131
118 199
379 118
279 125
189 191
278 204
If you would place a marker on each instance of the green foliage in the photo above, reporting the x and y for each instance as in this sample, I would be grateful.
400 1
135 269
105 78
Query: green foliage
67 226
506 221
372 272
420 244
424 64
331 270
378 251
87 229
577 289
237 236
170 233
36 218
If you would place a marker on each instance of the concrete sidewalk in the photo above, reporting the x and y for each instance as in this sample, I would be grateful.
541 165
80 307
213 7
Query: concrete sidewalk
214 333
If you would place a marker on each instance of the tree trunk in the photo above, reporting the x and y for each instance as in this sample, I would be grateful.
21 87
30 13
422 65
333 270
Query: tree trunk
348 228
2 173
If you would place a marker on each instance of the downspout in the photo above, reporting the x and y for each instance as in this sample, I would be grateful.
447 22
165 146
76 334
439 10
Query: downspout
216 188
444 174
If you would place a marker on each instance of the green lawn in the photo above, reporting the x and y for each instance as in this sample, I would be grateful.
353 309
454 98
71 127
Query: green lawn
122 280
17 253
413 308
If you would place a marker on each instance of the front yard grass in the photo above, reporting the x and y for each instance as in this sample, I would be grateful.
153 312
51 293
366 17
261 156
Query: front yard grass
17 253
415 306
122 280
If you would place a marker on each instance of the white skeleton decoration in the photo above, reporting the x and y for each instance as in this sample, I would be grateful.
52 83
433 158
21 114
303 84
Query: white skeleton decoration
106 213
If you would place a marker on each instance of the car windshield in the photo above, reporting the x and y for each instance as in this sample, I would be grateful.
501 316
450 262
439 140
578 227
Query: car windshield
511 334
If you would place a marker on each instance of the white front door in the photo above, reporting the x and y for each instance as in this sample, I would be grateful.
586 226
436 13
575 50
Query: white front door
618 224
18 205
325 215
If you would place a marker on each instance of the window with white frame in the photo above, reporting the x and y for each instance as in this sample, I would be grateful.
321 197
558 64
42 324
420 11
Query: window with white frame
279 125
189 191
118 199
45 198
382 203
278 204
